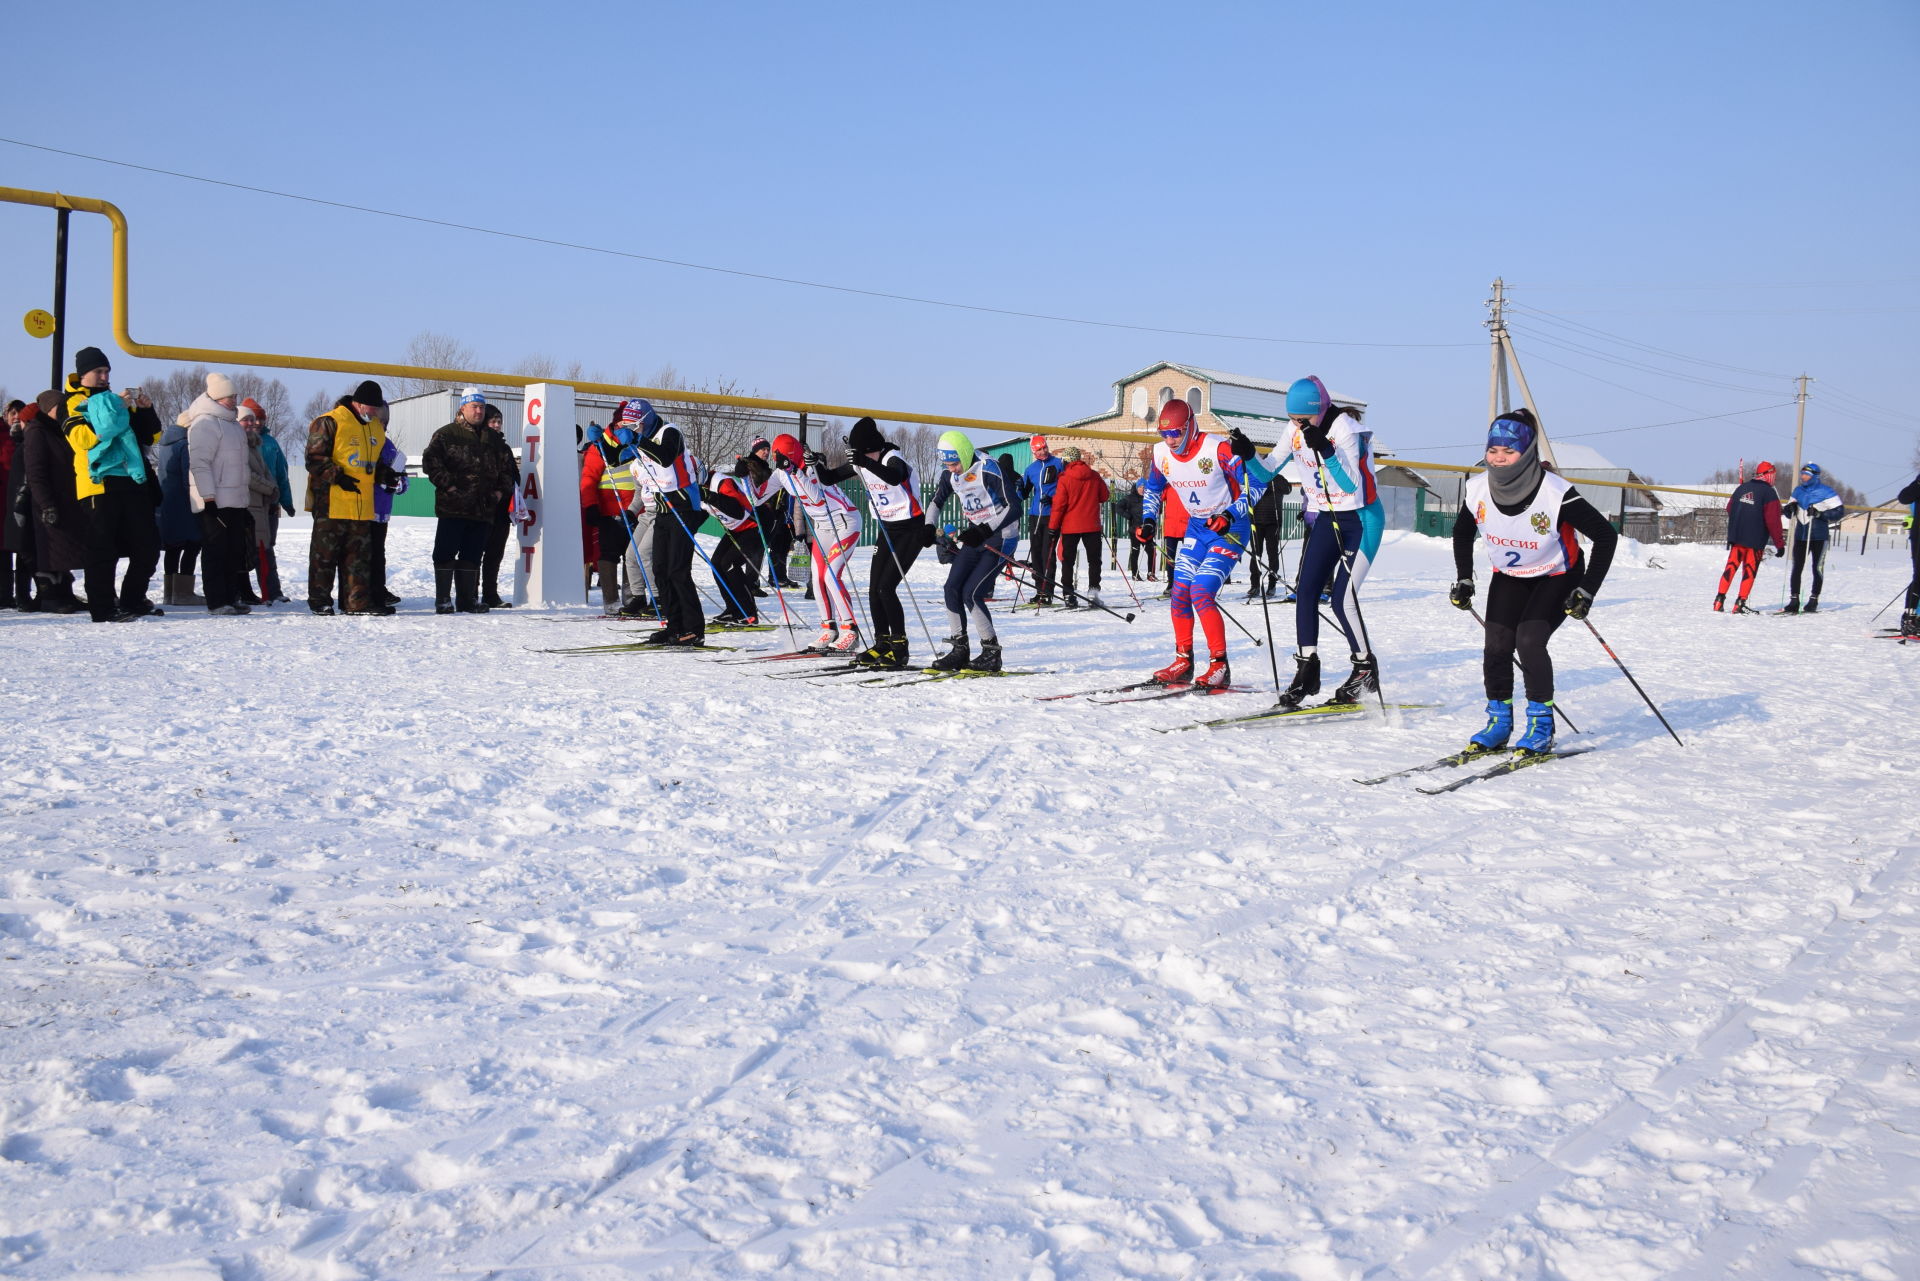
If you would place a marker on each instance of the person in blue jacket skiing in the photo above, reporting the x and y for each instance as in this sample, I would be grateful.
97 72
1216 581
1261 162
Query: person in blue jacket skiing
1036 486
1814 510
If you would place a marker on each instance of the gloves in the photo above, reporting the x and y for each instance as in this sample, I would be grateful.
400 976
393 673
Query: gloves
386 477
1219 523
1145 531
864 463
931 536
621 435
1460 595
1579 603
1318 439
1242 446
347 481
1780 550
975 535
49 517
816 460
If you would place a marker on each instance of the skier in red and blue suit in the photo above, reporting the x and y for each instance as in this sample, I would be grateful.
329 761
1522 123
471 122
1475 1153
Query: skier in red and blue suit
1209 483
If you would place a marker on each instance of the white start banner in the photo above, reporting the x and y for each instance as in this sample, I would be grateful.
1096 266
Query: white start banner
548 571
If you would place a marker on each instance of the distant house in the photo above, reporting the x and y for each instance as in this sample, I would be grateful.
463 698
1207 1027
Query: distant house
1693 518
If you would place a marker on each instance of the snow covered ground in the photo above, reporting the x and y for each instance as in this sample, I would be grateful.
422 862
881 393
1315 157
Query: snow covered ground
389 948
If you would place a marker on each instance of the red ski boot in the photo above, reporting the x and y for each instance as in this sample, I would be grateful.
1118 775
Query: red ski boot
1178 672
1217 676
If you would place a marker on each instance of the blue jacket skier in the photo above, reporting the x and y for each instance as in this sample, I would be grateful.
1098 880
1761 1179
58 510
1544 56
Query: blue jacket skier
1813 510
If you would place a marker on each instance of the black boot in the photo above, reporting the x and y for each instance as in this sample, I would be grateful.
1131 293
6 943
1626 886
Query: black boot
1363 679
955 659
1813 605
320 590
466 591
1793 606
988 659
1306 680
443 589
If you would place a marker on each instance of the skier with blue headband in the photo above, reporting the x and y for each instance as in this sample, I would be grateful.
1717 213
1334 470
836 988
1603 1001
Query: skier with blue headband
1527 517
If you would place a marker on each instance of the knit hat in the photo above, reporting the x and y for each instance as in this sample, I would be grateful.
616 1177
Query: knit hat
1765 471
472 396
247 413
49 402
28 413
865 438
1071 453
1307 398
368 393
637 411
219 386
254 405
759 443
88 359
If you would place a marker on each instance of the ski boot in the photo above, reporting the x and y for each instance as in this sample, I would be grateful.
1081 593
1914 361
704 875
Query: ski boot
849 640
1720 603
1306 680
889 653
639 607
1813 605
1910 624
1793 606
1743 608
955 659
823 643
988 659
1178 672
1093 599
1363 679
660 636
1499 726
1218 675
1538 738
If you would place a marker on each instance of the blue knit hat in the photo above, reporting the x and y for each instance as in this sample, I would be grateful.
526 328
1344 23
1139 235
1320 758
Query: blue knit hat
472 396
1308 398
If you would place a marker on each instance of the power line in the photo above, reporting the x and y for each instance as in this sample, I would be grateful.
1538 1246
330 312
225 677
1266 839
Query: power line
1552 318
1642 366
1849 398
724 271
1615 431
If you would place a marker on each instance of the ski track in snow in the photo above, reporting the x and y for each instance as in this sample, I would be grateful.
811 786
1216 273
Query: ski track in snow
344 948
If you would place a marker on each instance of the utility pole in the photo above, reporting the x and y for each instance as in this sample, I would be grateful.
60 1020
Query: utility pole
1799 429
1497 397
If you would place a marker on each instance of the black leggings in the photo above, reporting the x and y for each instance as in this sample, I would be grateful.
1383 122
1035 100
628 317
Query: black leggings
1800 562
182 557
1522 615
900 540
1266 550
1071 545
1913 586
1134 548
673 550
734 559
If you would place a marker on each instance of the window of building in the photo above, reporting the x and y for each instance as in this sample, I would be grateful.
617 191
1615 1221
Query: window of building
1193 400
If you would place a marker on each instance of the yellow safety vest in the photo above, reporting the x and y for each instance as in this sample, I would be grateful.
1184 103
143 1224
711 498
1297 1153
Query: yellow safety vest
356 449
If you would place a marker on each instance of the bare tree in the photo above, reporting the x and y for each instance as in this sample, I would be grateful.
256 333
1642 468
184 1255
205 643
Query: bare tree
431 350
715 433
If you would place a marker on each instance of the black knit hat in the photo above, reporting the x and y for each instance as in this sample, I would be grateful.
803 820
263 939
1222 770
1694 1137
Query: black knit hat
865 438
369 393
88 359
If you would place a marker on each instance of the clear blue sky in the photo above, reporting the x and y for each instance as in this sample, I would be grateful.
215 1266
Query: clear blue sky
1734 182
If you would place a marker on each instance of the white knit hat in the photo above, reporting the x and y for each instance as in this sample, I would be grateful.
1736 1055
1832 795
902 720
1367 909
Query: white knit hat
219 386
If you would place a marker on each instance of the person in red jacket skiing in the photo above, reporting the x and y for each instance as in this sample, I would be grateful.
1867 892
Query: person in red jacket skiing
1753 519
1079 496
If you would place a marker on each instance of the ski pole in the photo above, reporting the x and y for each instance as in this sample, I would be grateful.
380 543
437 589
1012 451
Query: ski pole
1884 608
639 560
1128 582
1516 666
1125 618
1629 675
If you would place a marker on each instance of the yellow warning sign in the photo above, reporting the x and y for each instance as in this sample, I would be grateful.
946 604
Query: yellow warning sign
39 323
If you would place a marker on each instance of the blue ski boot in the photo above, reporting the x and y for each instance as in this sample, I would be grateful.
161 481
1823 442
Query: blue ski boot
1539 734
1499 725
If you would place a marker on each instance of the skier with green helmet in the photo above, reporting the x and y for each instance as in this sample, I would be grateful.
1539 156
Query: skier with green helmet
987 506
